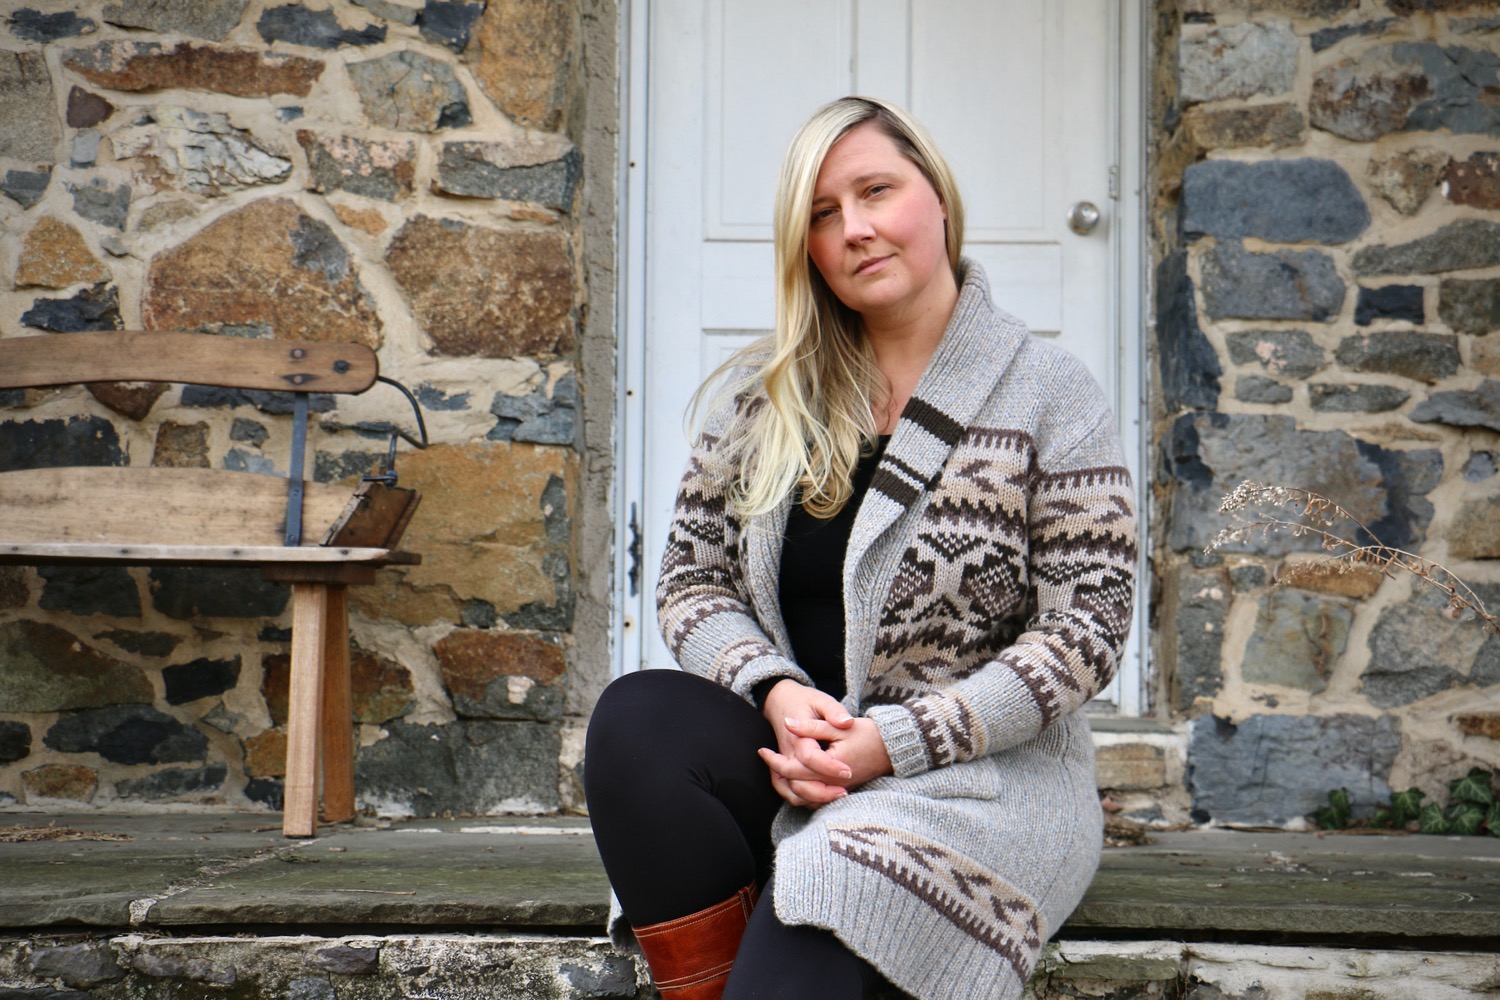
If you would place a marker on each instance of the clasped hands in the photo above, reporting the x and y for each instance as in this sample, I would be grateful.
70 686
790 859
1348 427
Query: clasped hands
822 751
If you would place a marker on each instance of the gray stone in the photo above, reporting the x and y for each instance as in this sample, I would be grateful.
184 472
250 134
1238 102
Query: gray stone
248 431
1404 303
1458 246
369 168
1426 357
1409 86
1280 201
29 129
15 741
615 977
50 444
1247 576
1281 352
449 22
96 308
1259 389
185 592
200 970
239 460
334 467
433 398
79 966
1190 367
349 960
174 783
1271 770
309 989
85 149
25 187
389 11
1297 641
274 403
478 170
143 643
1415 652
127 734
89 590
1481 465
462 767
1202 604
199 152
1330 398
1465 25
1462 407
540 418
1470 306
202 678
1286 284
47 669
410 91
31 25
210 19
318 29
1325 38
98 202
1236 61
1209 454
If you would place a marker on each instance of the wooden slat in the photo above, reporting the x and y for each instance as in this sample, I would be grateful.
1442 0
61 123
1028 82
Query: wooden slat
304 709
376 515
302 557
337 746
196 358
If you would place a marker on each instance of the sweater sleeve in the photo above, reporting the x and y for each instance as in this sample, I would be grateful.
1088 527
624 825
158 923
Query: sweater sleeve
703 607
1081 557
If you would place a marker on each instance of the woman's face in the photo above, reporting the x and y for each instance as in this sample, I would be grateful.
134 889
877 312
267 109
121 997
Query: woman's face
876 234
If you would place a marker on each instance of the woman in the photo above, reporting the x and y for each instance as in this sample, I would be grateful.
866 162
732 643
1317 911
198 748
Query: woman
902 560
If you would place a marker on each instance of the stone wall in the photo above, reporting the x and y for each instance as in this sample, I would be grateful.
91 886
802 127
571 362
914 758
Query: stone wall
433 178
1325 224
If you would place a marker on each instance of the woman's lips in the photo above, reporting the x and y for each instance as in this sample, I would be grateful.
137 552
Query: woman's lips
870 264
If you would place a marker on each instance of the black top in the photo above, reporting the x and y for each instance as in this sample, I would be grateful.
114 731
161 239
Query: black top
812 583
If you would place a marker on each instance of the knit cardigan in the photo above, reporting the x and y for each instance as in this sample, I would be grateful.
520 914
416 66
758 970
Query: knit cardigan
988 587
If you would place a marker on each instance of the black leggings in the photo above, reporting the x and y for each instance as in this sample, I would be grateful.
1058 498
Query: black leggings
681 808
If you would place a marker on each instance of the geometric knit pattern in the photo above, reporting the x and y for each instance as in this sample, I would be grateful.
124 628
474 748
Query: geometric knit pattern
988 588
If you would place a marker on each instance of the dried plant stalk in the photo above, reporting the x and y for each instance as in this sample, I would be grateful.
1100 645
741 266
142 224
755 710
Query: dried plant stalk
1314 516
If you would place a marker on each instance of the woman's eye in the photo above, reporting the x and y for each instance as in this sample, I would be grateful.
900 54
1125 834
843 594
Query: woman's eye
879 189
822 214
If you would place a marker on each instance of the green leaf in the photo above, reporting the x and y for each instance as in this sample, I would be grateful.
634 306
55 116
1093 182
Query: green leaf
1432 819
1407 806
1337 814
1473 787
1383 819
1464 818
1492 819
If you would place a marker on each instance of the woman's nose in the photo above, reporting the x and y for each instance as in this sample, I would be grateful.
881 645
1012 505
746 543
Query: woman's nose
857 227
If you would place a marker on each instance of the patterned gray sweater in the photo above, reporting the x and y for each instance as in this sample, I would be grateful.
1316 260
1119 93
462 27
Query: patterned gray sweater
987 587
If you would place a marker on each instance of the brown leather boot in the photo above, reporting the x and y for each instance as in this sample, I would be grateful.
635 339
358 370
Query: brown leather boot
690 957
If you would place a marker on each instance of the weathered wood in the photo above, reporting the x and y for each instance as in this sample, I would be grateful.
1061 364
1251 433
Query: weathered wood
348 574
299 811
197 358
376 515
303 562
337 724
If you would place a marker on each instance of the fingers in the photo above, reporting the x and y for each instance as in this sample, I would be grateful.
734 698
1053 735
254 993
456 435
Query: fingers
818 729
805 759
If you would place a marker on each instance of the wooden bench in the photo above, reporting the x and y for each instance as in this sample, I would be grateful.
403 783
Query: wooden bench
320 539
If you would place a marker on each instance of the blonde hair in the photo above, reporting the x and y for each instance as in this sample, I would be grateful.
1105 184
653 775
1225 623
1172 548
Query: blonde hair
812 384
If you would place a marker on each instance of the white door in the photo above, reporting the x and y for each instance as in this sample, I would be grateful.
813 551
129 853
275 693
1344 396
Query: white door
1015 92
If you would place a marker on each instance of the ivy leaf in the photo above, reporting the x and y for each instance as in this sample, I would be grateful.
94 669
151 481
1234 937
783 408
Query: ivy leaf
1407 806
1464 818
1335 815
1432 819
1383 819
1473 787
1492 819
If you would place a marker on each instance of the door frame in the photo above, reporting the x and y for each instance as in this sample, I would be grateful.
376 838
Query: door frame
1130 273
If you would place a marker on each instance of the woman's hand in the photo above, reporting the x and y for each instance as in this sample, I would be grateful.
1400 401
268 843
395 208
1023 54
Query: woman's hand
823 750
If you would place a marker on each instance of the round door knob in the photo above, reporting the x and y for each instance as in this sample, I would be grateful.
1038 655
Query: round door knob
1083 217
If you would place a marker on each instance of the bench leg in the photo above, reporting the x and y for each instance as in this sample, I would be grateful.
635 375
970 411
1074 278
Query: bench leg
299 817
338 712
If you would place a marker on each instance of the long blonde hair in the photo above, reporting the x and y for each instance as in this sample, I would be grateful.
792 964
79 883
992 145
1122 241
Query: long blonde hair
810 386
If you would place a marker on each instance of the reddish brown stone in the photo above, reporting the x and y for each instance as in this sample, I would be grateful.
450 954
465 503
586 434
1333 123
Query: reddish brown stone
484 292
1486 724
1273 125
1474 182
129 399
181 446
382 688
265 754
1475 532
140 66
54 255
13 590
368 220
73 782
266 263
524 57
472 659
86 110
1341 579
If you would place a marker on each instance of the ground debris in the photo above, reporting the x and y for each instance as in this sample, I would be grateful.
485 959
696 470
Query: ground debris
20 834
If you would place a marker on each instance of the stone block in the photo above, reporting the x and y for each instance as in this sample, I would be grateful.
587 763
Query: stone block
1430 6
1273 126
29 128
196 151
367 167
1458 246
86 110
1281 201
47 444
69 782
31 25
1424 357
1238 60
1297 641
1474 182
96 308
79 966
381 688
201 678
174 783
25 187
89 590
1271 770
1475 532
1470 305
54 255
1131 766
15 741
1326 38
410 91
449 22
181 446
1484 356
485 292
502 675
1486 724
1259 389
499 170
1292 353
158 644
14 593
524 55
1479 466
268 263
128 734
265 754
1286 284
540 418
1408 86
98 202
210 19
48 669
479 767
390 11
146 66
1190 367
1462 407
1209 454
1339 577
1339 398
296 24
1403 303
129 399
185 592
1416 652
367 220
1202 605
1406 179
